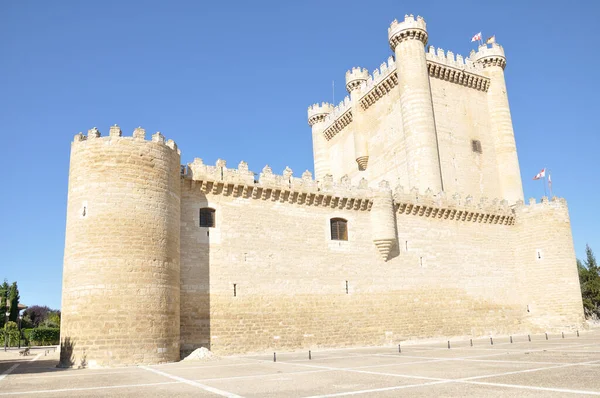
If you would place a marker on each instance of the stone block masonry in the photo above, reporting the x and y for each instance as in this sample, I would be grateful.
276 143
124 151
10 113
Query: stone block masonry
414 226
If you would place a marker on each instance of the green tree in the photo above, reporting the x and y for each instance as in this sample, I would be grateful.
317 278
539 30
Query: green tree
13 298
589 279
11 331
4 288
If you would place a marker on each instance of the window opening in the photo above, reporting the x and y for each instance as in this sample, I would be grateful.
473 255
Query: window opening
207 217
339 229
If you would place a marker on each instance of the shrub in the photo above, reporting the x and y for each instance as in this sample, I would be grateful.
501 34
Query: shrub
44 336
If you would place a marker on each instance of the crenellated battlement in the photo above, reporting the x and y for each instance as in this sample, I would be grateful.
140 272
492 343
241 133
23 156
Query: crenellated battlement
339 118
355 77
459 70
317 113
409 29
139 134
489 56
381 82
241 182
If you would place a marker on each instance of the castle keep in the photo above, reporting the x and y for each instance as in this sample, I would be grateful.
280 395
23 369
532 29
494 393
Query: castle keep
413 226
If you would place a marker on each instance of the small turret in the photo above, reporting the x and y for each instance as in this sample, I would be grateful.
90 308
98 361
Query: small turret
489 56
410 28
316 116
317 113
355 77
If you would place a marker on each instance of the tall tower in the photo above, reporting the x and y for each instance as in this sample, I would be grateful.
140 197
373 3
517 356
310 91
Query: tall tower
316 119
354 78
120 302
407 40
493 61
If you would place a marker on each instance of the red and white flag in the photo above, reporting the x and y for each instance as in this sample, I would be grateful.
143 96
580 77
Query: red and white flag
541 174
476 37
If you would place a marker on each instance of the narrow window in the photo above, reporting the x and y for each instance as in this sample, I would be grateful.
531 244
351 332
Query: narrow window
476 146
207 217
339 229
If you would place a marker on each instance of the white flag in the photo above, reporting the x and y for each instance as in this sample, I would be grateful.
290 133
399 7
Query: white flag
476 37
541 174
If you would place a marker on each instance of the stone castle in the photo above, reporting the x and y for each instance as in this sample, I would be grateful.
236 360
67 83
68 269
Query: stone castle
414 226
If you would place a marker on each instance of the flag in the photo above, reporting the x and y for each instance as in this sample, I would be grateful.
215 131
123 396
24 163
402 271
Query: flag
476 37
550 181
541 174
491 39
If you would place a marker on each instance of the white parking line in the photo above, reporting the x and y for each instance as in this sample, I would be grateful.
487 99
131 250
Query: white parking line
36 357
8 371
87 388
193 383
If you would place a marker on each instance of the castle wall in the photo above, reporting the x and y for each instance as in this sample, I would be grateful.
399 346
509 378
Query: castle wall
444 278
461 115
120 297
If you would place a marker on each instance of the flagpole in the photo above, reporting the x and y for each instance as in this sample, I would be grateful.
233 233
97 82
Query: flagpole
545 182
550 183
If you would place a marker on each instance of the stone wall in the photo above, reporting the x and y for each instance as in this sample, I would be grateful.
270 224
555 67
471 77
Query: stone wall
456 269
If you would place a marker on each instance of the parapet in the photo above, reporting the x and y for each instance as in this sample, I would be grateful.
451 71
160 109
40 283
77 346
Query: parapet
339 118
317 113
139 134
459 70
489 56
355 77
410 28
384 79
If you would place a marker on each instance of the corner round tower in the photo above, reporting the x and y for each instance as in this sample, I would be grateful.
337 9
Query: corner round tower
120 302
408 39
493 61
354 79
316 119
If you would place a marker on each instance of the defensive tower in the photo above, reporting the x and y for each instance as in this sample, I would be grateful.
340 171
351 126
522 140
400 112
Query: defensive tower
354 79
316 119
407 40
121 284
493 61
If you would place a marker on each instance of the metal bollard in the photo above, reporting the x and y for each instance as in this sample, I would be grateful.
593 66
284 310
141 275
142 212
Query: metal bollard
510 339
471 342
274 357
546 336
491 341
529 337
309 355
563 335
578 333
448 344
399 349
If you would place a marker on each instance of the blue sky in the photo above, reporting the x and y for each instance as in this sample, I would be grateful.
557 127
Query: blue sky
233 80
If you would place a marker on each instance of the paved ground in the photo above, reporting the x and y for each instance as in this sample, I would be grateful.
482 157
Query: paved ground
554 367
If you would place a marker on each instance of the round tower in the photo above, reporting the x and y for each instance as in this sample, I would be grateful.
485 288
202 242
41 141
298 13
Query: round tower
120 298
316 119
354 79
383 221
407 40
493 61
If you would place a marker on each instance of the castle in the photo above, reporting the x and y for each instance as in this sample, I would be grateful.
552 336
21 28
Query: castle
414 226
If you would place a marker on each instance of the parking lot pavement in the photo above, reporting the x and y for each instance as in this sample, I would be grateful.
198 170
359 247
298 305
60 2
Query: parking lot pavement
555 366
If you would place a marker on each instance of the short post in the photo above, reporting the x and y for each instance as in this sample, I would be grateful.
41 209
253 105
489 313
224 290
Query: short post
578 333
399 349
274 357
563 335
491 341
529 337
546 335
448 344
309 355
510 339
471 342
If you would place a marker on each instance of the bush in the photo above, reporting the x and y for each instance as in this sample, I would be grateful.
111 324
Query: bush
44 336
10 332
